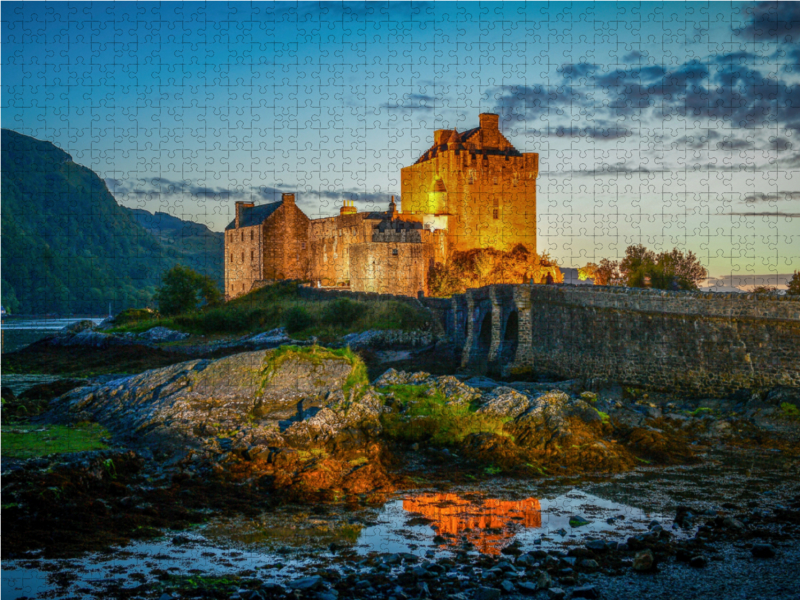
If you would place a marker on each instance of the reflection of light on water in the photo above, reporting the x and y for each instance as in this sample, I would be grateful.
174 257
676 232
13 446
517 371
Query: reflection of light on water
490 524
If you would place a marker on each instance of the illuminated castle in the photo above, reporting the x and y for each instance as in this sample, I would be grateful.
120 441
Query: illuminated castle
469 190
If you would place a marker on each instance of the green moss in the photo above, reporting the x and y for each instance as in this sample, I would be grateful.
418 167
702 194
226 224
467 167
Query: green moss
357 462
603 416
790 411
356 381
32 441
424 415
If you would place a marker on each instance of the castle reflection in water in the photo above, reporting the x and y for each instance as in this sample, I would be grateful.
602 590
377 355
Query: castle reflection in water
488 523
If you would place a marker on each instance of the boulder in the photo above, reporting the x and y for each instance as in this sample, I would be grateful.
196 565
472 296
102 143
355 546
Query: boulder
160 334
73 328
254 396
505 402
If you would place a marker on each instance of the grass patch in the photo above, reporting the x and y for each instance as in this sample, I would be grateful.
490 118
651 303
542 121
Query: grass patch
790 411
357 462
280 305
424 415
32 440
603 416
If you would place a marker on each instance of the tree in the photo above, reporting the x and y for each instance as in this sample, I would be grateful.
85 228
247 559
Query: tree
637 265
587 272
607 273
183 289
794 285
672 270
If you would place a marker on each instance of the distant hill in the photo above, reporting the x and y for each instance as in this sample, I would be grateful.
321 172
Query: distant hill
68 247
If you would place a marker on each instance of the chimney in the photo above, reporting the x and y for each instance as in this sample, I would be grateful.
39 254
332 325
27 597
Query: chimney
288 198
440 135
240 208
490 121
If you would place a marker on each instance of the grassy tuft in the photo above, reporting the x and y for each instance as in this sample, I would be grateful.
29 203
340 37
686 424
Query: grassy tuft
30 441
280 305
790 411
425 416
357 380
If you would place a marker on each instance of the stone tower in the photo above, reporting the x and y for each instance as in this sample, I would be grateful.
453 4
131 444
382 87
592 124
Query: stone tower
476 186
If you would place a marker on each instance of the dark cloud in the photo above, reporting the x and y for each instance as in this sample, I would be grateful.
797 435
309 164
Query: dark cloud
597 132
779 144
732 143
772 197
604 169
697 142
772 22
633 56
419 102
785 215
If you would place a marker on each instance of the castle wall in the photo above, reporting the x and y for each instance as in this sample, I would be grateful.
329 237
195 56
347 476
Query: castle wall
330 240
243 259
390 267
693 343
286 243
492 199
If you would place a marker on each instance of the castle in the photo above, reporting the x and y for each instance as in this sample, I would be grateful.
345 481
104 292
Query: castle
469 190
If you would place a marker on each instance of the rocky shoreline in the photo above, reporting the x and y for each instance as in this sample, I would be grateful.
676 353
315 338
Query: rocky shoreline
302 425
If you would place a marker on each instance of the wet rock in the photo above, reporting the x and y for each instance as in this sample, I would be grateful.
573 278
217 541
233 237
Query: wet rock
589 564
585 591
698 562
487 593
508 587
578 521
482 383
556 593
644 560
527 587
762 551
544 581
306 583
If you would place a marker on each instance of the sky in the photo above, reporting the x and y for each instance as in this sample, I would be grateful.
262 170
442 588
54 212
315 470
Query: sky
666 124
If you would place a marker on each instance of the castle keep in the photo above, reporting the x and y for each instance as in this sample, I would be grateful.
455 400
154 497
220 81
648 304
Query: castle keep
469 190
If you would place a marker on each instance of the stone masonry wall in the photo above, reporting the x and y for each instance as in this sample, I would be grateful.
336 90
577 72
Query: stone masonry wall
243 259
699 344
286 243
390 267
329 242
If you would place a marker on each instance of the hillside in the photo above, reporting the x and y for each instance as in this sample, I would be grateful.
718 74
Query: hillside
68 247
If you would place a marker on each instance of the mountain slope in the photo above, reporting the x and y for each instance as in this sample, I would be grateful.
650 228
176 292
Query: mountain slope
67 246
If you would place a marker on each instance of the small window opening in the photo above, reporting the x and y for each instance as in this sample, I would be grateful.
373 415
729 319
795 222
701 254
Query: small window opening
242 256
495 213
243 236
252 233
394 251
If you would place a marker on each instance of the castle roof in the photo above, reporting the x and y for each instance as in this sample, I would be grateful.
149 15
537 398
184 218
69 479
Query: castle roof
480 140
255 215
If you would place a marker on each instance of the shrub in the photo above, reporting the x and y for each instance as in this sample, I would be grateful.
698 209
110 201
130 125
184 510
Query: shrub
794 285
297 319
342 312
182 289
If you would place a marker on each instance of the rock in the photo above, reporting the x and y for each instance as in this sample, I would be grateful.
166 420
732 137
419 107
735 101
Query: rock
486 593
482 383
556 593
644 560
505 402
762 551
387 338
527 587
508 587
79 326
585 591
160 334
305 583
598 545
544 581
578 521
88 338
181 407
698 562
732 523
589 564
165 596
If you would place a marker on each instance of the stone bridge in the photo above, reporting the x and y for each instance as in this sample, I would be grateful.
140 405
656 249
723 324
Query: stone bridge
696 343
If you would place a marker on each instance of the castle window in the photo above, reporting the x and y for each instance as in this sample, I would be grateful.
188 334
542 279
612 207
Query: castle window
303 245
242 256
252 255
495 213
231 256
394 251
251 235
243 236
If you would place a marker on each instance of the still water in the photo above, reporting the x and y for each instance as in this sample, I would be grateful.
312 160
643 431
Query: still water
18 332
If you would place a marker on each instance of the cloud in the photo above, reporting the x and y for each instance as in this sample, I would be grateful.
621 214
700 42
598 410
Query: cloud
699 141
606 169
732 143
772 22
419 102
779 144
777 214
772 197
633 56
601 131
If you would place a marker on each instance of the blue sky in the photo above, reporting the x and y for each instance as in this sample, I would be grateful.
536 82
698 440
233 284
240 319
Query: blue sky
663 124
